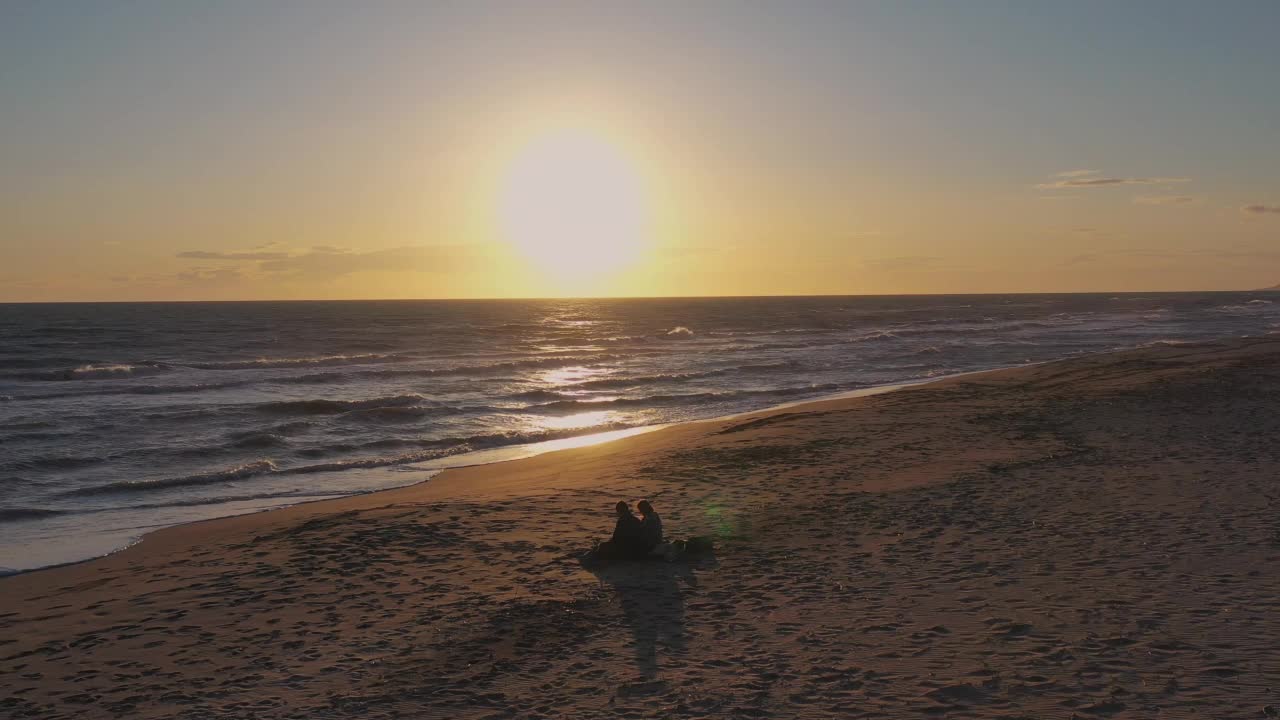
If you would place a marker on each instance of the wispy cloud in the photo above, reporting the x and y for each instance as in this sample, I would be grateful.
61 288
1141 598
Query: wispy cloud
328 261
1105 182
1077 179
1261 209
206 275
331 262
1164 199
1094 233
1197 256
209 255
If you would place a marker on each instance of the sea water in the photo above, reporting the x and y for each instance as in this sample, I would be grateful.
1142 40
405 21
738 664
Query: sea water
119 418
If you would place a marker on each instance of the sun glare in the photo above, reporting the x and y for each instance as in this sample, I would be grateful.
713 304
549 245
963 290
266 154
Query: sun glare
574 203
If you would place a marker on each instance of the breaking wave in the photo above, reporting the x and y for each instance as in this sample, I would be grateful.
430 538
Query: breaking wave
91 371
572 405
336 407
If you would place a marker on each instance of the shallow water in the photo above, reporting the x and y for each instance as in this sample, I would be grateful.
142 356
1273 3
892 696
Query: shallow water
118 418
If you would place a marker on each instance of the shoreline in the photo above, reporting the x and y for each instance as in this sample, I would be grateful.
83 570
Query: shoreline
516 453
519 452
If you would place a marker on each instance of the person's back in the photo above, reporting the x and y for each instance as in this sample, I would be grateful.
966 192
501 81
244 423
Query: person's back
626 540
650 526
627 530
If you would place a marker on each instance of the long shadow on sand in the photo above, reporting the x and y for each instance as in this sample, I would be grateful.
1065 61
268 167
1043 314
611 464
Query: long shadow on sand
652 600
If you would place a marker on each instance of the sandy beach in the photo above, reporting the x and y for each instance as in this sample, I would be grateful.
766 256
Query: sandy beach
1097 537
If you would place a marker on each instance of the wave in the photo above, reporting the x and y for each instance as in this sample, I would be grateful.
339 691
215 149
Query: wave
573 405
337 407
9 514
258 440
256 469
140 390
534 395
264 363
623 339
91 371
611 383
59 462
401 413
186 415
330 377
238 472
877 336
482 369
618 383
1251 306
429 450
36 436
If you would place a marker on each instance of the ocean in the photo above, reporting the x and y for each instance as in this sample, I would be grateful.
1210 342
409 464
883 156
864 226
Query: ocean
116 419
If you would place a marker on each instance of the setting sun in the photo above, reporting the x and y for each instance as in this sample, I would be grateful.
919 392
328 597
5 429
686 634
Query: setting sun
574 203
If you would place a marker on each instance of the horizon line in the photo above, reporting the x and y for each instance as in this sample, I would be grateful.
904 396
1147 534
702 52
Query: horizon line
631 297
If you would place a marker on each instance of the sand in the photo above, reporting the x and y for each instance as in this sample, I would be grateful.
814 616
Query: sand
1097 537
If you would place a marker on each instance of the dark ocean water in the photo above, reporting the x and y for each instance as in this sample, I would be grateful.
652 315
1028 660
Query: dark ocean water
118 418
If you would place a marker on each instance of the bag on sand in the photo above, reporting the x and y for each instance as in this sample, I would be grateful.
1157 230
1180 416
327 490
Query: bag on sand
697 545
605 553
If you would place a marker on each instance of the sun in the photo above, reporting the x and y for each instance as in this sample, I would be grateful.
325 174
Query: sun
573 202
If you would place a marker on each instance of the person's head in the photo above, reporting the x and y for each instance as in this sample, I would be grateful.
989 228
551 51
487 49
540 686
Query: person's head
645 507
622 508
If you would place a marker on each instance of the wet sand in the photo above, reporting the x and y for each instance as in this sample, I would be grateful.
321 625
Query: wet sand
1097 537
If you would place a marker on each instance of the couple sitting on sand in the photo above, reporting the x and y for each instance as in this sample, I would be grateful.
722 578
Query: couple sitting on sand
634 538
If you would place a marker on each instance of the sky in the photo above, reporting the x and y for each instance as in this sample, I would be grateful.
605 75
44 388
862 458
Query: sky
181 150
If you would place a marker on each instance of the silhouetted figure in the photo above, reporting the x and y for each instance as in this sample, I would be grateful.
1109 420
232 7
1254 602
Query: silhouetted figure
650 526
626 542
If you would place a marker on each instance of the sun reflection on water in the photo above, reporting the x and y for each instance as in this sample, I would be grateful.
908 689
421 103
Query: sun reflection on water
568 375
578 420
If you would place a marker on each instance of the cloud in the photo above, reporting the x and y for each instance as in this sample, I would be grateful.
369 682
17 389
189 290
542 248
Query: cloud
1075 173
1261 209
1163 199
331 262
1076 183
328 261
207 275
1082 259
1093 233
208 255
1196 256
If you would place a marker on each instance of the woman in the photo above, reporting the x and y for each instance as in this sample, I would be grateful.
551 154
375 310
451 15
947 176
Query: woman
650 526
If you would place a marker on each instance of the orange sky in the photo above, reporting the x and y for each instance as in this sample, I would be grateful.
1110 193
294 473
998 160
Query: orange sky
304 150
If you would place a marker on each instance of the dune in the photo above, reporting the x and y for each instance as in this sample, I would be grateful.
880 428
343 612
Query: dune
1096 537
